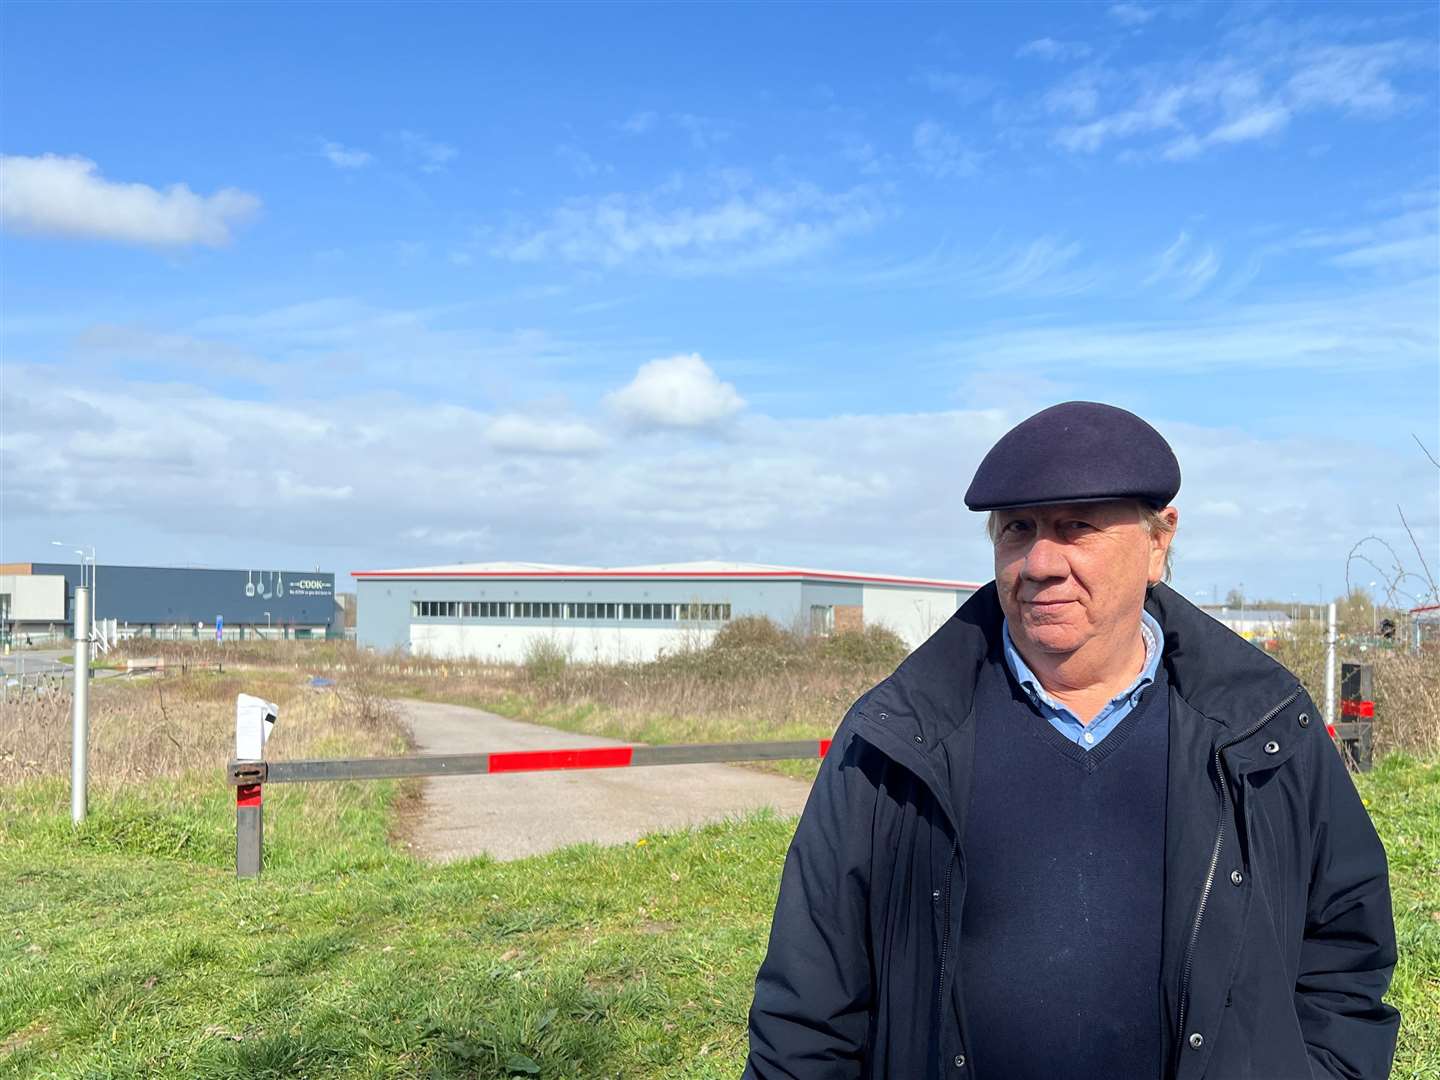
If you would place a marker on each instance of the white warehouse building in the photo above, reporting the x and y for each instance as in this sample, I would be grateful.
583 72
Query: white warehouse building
494 611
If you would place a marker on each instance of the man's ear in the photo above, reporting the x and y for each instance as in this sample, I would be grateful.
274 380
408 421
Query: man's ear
1160 545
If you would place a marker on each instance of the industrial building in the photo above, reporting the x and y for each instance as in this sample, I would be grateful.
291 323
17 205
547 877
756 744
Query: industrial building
495 611
36 602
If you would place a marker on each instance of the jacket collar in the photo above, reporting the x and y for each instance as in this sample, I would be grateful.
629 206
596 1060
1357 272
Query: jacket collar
931 694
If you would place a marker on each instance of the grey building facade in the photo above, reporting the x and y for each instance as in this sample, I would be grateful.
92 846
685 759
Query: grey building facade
496 610
181 602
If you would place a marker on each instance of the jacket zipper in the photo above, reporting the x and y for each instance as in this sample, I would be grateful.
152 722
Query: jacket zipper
1224 794
945 940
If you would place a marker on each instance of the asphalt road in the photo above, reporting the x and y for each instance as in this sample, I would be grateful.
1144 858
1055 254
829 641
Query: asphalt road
514 815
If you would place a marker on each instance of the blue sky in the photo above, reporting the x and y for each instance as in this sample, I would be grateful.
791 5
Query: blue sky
387 285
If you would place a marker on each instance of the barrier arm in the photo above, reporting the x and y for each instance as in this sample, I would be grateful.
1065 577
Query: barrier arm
249 775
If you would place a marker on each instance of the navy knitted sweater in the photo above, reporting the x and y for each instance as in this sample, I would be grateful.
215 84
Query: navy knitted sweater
1064 869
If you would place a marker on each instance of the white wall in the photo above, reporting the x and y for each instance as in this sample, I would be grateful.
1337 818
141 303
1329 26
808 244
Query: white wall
914 614
507 644
35 597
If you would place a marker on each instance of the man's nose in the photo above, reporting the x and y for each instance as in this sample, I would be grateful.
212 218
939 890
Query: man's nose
1045 560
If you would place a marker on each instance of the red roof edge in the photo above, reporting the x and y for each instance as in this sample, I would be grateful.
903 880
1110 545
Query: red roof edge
651 575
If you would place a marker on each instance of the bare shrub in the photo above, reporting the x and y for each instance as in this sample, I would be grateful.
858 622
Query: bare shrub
545 659
1407 687
169 728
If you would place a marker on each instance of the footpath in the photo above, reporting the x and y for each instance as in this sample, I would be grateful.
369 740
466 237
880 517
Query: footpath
513 815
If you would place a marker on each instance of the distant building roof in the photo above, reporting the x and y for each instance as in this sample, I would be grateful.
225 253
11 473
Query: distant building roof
1229 614
683 571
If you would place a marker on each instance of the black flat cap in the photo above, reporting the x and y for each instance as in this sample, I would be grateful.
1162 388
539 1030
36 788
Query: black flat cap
1078 451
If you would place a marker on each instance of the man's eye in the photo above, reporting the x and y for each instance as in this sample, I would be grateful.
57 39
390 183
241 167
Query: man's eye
1013 526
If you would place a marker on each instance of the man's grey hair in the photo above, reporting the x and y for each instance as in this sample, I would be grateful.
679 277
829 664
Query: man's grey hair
1152 519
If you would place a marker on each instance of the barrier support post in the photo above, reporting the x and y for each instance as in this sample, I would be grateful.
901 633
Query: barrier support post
249 830
254 718
1357 710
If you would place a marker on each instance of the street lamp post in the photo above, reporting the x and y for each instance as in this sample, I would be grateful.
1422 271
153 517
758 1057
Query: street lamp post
267 626
83 583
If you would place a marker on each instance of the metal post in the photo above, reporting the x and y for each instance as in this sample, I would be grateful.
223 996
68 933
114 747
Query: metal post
249 831
1330 715
254 717
80 722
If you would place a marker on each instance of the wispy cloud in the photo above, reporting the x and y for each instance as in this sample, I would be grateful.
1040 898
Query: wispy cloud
1046 266
702 132
67 196
1404 243
579 162
942 153
966 88
705 132
735 225
1379 330
519 433
1186 267
1131 14
1047 48
639 123
1244 96
343 157
430 155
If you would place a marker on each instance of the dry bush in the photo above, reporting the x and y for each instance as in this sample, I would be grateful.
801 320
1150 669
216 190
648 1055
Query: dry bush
1407 688
755 680
167 728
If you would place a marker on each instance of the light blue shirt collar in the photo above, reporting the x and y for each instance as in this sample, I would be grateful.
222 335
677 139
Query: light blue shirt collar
1060 716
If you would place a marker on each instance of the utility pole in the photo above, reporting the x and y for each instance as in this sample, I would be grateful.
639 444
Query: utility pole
1330 716
80 721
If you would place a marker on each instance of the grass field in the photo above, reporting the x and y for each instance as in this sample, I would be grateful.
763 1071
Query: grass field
128 949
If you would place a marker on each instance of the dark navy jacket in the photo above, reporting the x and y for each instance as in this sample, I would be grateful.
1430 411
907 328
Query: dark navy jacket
1278 942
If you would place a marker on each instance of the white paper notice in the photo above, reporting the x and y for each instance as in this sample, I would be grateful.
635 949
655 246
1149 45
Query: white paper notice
254 717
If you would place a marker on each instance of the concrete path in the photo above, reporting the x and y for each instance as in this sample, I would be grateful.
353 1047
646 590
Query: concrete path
513 815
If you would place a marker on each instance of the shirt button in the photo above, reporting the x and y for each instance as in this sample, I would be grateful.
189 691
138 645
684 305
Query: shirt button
1089 736
959 1061
1236 877
1196 1041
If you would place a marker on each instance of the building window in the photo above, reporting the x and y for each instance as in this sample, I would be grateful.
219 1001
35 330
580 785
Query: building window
588 610
822 619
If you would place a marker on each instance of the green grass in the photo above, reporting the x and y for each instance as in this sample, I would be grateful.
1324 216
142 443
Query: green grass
128 949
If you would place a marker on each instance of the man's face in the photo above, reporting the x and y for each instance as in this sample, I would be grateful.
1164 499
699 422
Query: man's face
1071 572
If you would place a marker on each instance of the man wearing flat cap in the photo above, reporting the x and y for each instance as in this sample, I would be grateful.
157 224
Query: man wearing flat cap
1083 831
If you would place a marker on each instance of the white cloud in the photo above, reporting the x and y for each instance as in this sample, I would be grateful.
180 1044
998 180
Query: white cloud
965 89
639 123
534 435
1044 266
1354 77
343 157
1131 14
1381 330
579 162
676 392
1077 94
705 132
1404 244
288 489
1048 48
67 196
803 491
1242 97
430 155
737 226
942 153
1184 267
